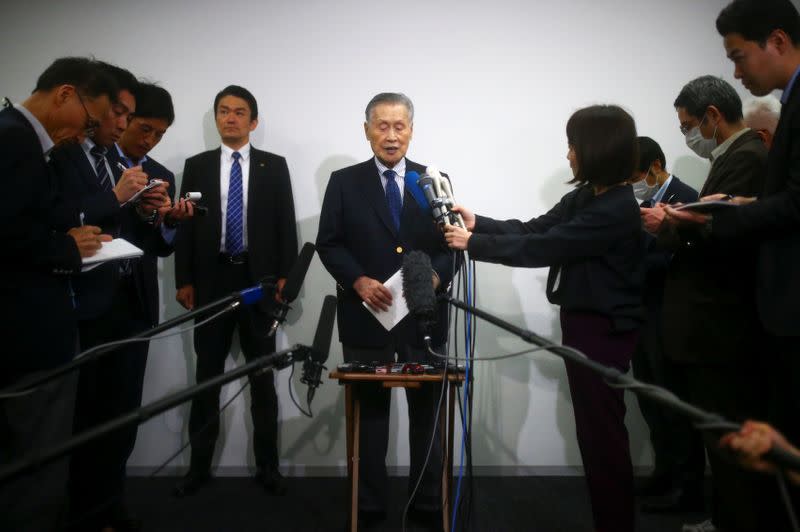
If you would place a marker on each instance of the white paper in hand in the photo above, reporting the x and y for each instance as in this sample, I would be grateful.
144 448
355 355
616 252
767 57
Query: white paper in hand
119 248
399 309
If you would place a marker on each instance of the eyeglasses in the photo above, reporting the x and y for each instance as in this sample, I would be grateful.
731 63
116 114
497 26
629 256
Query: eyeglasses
91 122
685 129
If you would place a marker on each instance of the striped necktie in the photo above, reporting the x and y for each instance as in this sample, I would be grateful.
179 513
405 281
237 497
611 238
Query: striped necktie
234 223
100 168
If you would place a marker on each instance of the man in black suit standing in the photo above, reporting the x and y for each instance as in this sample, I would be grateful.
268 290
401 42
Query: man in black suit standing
368 222
677 480
248 234
40 332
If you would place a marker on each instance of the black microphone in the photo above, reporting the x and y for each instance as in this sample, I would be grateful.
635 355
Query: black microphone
315 362
294 280
418 289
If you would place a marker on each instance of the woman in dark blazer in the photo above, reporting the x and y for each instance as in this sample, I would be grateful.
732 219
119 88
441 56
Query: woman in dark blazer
592 242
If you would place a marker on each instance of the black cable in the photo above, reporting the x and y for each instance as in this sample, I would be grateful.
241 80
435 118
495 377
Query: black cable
291 394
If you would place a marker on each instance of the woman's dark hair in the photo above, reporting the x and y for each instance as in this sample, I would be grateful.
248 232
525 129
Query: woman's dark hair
239 92
154 102
604 140
755 20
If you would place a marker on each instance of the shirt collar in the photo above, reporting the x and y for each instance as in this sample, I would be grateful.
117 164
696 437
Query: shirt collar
399 168
244 151
720 150
41 132
128 161
788 90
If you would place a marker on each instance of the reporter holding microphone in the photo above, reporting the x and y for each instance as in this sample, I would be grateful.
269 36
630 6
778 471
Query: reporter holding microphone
592 242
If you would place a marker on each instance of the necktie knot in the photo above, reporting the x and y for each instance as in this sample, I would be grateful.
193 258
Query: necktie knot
98 151
389 174
236 155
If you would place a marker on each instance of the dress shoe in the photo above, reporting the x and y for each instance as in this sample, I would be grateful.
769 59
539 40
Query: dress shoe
191 483
371 519
272 481
654 485
677 501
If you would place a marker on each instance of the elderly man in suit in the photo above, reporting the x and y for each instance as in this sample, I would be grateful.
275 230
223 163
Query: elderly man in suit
248 234
368 221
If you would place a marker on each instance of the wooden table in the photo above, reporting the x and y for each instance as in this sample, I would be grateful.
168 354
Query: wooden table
353 419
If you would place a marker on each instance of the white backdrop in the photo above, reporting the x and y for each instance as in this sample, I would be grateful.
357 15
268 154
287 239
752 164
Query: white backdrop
493 84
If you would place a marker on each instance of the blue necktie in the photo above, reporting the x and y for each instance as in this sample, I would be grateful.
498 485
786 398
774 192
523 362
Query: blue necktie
393 197
99 154
234 232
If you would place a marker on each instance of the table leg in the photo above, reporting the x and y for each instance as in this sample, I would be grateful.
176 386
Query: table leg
446 459
355 462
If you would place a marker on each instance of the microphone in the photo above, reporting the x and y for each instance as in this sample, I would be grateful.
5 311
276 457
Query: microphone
315 362
446 189
418 289
411 182
294 280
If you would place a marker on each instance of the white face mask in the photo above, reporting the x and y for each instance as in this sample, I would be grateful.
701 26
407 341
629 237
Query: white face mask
643 190
699 144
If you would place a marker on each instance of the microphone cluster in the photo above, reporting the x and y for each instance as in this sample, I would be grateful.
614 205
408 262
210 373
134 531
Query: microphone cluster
434 193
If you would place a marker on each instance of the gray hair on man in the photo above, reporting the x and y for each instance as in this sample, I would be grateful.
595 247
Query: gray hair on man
762 113
390 98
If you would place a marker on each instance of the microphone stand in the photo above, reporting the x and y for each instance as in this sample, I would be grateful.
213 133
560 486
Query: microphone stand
247 297
702 419
35 460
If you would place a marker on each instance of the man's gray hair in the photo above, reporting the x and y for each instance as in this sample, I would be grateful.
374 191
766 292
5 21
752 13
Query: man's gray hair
390 98
762 113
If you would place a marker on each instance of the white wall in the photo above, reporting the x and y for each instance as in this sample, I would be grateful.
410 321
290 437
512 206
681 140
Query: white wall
493 84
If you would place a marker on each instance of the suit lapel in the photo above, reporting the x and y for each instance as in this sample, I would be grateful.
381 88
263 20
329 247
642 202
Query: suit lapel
254 182
78 156
211 179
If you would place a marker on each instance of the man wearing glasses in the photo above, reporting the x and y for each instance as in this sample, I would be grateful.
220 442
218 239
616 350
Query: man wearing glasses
38 255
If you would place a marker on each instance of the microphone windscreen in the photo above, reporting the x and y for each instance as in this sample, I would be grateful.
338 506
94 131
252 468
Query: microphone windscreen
322 338
412 186
295 277
418 284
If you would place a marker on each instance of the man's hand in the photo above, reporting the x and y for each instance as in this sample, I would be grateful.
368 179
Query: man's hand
156 199
684 217
753 441
457 238
467 215
183 210
130 182
652 218
279 289
185 296
736 200
373 293
88 238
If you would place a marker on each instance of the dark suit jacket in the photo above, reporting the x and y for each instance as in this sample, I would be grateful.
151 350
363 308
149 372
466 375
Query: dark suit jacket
709 308
81 192
271 225
147 237
774 221
593 245
357 237
38 329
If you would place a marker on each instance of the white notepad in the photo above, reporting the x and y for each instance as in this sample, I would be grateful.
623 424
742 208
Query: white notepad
117 249
399 308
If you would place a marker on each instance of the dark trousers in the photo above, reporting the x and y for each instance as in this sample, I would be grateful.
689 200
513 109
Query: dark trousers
107 388
373 438
36 501
600 418
736 392
212 342
677 446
